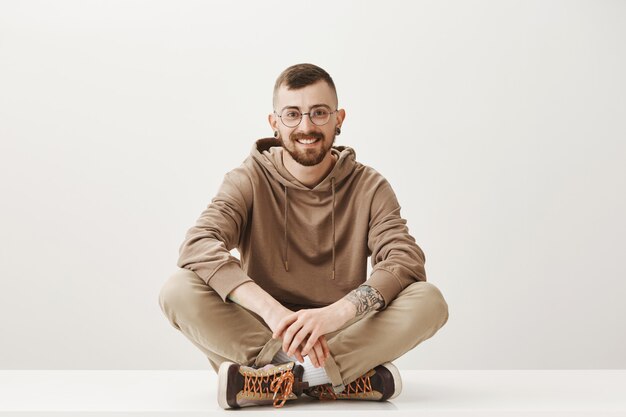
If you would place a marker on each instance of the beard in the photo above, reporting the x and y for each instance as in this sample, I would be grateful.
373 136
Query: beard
307 156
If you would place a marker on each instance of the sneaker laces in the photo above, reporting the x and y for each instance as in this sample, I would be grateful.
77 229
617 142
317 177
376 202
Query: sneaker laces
361 385
278 383
327 393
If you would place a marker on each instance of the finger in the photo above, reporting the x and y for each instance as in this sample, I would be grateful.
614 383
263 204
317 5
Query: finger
299 356
315 359
309 345
297 340
319 354
283 324
289 334
286 322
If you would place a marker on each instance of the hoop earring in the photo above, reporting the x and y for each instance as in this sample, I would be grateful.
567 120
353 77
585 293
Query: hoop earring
338 131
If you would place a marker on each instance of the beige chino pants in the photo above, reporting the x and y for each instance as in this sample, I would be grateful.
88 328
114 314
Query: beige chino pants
229 332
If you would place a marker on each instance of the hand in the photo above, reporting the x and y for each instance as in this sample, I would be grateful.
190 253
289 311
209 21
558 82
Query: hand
252 297
317 354
309 325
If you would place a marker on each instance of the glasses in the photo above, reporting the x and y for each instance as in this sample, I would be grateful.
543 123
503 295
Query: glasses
319 116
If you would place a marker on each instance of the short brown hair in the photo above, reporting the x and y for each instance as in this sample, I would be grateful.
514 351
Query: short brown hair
300 76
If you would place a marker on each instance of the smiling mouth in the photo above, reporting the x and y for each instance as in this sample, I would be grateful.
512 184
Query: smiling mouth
307 141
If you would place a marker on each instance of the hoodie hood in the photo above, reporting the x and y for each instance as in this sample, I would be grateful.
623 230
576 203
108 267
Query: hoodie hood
267 153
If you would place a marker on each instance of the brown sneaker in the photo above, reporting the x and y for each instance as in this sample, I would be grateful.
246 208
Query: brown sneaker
379 384
244 386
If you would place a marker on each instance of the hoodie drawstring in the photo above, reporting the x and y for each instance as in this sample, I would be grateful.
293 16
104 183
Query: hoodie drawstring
286 240
332 216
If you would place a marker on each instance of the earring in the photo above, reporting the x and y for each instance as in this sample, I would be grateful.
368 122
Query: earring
276 133
338 130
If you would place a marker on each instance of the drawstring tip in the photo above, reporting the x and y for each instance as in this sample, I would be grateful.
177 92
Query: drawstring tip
333 276
286 266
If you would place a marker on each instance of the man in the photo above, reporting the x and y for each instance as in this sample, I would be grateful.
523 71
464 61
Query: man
304 216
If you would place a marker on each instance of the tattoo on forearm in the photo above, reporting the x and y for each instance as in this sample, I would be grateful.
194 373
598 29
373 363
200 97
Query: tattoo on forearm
365 299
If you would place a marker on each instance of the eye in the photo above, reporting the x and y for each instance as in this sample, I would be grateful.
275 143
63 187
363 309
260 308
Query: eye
321 112
291 114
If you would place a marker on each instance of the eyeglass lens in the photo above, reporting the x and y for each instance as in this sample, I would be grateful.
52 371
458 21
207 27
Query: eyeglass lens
318 116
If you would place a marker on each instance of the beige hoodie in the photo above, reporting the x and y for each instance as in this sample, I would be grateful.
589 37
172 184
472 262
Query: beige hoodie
307 247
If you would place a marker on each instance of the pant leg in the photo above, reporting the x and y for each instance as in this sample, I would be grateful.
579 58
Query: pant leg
222 331
415 315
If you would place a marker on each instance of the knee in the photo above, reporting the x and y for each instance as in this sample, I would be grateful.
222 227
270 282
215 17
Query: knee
437 303
430 302
174 291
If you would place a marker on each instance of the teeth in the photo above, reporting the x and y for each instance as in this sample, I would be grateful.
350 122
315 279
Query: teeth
307 141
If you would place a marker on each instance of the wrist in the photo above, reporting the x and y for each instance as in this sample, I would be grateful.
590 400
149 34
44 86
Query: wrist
344 309
272 309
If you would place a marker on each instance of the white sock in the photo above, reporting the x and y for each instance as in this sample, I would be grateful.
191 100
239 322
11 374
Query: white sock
282 357
314 376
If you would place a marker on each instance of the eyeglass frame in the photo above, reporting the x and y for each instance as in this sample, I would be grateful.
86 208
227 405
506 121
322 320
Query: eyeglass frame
307 113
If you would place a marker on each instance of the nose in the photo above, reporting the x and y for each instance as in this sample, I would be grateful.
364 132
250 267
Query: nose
306 124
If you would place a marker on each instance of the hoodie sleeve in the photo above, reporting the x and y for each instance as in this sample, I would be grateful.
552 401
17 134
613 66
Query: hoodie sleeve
397 261
207 245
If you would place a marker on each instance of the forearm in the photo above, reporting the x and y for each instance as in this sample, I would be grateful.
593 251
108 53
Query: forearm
361 301
254 298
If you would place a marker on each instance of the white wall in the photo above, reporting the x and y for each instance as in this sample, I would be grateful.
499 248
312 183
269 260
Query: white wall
500 125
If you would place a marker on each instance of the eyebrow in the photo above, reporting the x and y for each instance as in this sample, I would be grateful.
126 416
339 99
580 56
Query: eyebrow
313 106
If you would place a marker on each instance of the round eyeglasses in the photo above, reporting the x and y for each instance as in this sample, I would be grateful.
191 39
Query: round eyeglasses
319 116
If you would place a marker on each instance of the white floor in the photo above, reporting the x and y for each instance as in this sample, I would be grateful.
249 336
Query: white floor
436 393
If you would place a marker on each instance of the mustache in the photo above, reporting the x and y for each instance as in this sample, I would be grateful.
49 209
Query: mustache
309 135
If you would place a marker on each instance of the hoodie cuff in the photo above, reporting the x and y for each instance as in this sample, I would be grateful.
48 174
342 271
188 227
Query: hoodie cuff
387 284
227 278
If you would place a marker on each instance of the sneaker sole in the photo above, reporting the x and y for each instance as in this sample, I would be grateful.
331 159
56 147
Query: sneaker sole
222 385
397 381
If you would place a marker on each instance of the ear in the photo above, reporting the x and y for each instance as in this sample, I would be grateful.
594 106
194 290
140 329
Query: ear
273 121
341 115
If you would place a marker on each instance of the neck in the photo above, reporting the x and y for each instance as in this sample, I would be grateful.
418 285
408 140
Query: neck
309 176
